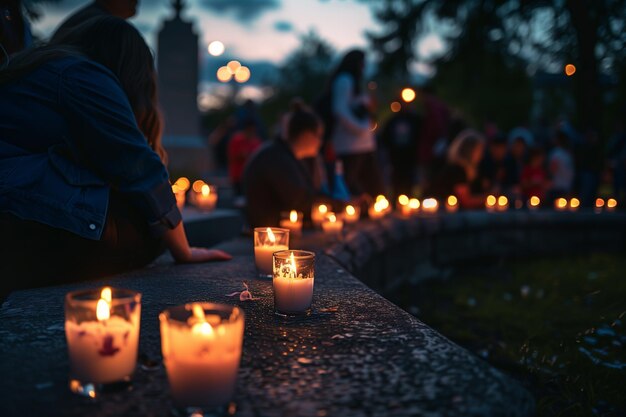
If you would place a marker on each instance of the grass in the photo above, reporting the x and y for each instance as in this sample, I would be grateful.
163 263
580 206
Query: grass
557 325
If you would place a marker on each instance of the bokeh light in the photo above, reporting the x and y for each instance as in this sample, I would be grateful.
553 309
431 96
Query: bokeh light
224 75
570 69
242 74
233 66
408 95
396 107
216 48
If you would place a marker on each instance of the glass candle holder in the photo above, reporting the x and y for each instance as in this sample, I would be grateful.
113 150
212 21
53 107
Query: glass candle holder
102 332
205 198
292 221
332 225
201 345
318 213
351 214
268 240
294 273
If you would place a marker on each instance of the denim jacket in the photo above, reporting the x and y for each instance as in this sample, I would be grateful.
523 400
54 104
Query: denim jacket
68 137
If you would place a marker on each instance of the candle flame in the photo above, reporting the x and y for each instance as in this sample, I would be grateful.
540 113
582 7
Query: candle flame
430 203
611 203
403 200
292 263
574 203
183 183
380 197
332 218
452 200
503 201
414 204
534 201
293 216
491 201
176 189
384 203
599 202
270 235
561 203
206 190
350 211
103 312
322 208
201 326
106 294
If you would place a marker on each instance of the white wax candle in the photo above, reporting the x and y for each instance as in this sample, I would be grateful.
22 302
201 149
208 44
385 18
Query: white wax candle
202 367
206 199
332 225
351 214
292 295
103 351
318 213
263 257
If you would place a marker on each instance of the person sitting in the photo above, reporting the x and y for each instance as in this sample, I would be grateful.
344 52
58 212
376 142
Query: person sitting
275 180
240 147
84 191
459 174
124 9
534 179
492 169
561 167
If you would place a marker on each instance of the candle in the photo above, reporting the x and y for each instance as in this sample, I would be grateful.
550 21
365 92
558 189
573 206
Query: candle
351 214
294 273
452 204
490 203
414 205
430 205
332 225
611 204
292 221
318 213
201 345
503 203
206 198
560 204
380 208
533 203
180 194
183 183
574 203
102 332
268 240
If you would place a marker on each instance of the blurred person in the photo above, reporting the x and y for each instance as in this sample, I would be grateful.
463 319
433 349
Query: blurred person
435 133
534 179
519 141
274 179
399 136
240 147
124 9
459 174
352 136
492 170
560 167
84 191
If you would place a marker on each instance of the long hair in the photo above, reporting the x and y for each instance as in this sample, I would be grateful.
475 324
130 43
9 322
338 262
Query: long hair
351 63
462 148
117 45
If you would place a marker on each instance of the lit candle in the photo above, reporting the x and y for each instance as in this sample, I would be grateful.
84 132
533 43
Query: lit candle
403 205
490 203
183 183
533 203
102 332
380 208
206 198
268 240
560 204
599 204
292 221
351 214
180 194
574 203
332 225
611 204
452 204
201 345
318 213
430 205
503 203
294 273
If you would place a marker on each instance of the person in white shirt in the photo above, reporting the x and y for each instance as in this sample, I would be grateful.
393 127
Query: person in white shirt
352 135
561 164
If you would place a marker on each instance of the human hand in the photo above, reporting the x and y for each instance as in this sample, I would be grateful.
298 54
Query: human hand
197 255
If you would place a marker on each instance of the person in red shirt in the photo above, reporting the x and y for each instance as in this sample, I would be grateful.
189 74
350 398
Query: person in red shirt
534 178
241 146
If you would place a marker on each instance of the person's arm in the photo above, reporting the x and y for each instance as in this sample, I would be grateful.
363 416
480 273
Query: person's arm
342 92
105 138
176 241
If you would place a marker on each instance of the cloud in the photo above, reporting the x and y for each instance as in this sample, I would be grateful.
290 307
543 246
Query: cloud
283 26
244 10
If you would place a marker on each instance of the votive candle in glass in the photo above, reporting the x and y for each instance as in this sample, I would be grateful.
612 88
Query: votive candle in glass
403 205
206 198
430 205
560 204
268 240
452 204
574 203
380 208
332 225
318 213
294 273
534 202
503 203
293 221
351 214
102 332
201 345
611 204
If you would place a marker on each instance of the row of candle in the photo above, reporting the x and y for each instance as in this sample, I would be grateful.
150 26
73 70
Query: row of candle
202 195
